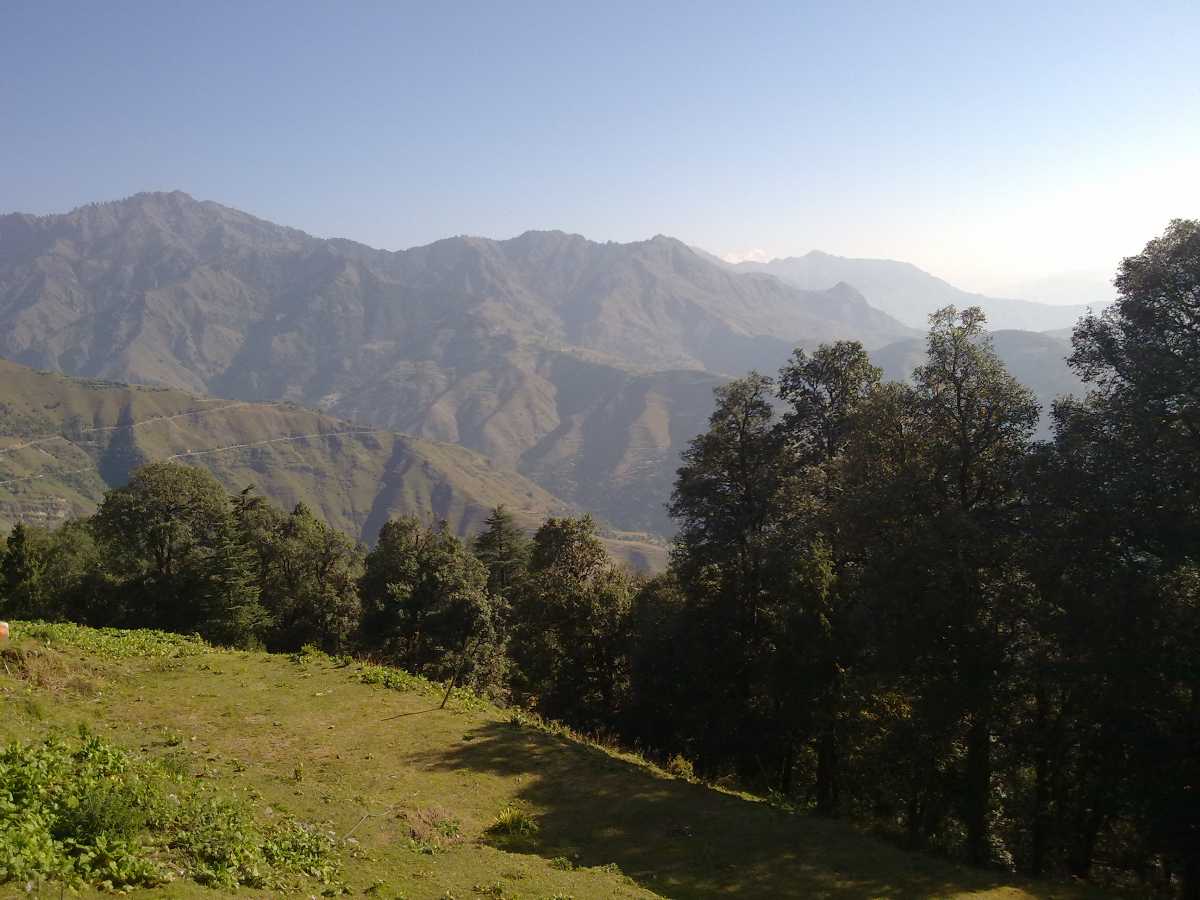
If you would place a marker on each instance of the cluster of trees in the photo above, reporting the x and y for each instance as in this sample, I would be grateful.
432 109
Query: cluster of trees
899 604
886 600
529 619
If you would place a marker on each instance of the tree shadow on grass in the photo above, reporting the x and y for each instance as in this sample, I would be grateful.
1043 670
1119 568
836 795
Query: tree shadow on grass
685 840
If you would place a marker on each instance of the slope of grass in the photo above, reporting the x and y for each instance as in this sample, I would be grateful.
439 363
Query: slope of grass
421 802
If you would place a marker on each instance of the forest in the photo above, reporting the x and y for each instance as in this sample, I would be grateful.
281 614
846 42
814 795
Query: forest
887 601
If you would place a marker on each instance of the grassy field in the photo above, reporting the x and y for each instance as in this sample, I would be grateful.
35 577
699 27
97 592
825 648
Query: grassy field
412 793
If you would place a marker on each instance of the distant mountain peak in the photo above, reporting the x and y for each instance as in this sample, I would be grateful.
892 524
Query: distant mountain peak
909 293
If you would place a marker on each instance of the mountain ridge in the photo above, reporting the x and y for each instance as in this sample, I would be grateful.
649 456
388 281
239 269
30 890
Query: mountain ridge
515 349
909 293
57 432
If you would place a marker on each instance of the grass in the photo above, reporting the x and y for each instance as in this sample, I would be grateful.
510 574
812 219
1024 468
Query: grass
419 802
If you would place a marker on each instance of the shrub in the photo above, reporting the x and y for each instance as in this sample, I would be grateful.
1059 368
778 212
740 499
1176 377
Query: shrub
681 767
112 643
86 812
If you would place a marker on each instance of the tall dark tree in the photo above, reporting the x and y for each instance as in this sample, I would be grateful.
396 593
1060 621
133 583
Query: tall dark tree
172 545
1137 436
503 547
942 503
570 619
732 565
426 605
309 574
825 393
22 572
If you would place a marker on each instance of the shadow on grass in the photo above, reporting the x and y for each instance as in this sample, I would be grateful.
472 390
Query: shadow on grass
684 840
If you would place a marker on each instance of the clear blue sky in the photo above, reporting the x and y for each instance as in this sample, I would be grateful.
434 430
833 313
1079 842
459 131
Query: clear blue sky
981 141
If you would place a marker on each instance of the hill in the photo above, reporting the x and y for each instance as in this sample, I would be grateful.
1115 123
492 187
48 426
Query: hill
516 349
60 437
413 800
910 294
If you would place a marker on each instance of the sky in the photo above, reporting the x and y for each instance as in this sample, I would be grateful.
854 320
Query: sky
992 144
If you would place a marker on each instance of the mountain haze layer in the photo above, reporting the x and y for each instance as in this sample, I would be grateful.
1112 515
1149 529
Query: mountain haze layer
1038 361
910 294
584 365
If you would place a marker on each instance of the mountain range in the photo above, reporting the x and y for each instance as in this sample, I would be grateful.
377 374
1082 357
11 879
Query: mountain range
583 367
909 294
64 441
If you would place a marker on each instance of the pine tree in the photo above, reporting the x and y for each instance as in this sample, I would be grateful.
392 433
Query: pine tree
21 572
504 549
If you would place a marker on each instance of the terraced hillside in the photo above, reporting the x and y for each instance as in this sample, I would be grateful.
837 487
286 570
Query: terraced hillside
398 798
64 440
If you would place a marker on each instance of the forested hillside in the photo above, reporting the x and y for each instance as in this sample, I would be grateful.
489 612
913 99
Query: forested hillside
63 441
886 602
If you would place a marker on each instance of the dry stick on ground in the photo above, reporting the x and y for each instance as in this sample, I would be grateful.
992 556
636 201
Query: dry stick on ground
462 661
387 812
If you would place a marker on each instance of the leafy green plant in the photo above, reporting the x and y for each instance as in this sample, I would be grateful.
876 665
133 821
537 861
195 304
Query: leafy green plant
514 821
86 812
112 643
681 767
400 680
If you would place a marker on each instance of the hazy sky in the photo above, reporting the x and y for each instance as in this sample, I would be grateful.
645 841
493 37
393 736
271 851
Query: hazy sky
989 143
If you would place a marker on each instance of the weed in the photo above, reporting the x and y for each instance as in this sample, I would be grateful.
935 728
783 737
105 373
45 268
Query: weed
87 812
431 829
681 767
112 643
514 821
562 864
32 708
400 680
177 765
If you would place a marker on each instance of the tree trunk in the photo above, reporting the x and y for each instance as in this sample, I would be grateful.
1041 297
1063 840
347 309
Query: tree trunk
979 776
827 772
1041 810
1191 878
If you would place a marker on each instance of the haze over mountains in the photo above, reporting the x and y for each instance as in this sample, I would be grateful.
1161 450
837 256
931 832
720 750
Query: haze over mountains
584 366
909 294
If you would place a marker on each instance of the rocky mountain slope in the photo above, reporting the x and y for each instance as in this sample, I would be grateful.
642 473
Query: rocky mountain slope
63 441
584 365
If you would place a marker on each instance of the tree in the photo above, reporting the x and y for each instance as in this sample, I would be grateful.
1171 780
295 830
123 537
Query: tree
733 564
22 570
75 582
309 574
1137 439
504 549
569 642
949 594
826 393
426 606
171 540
